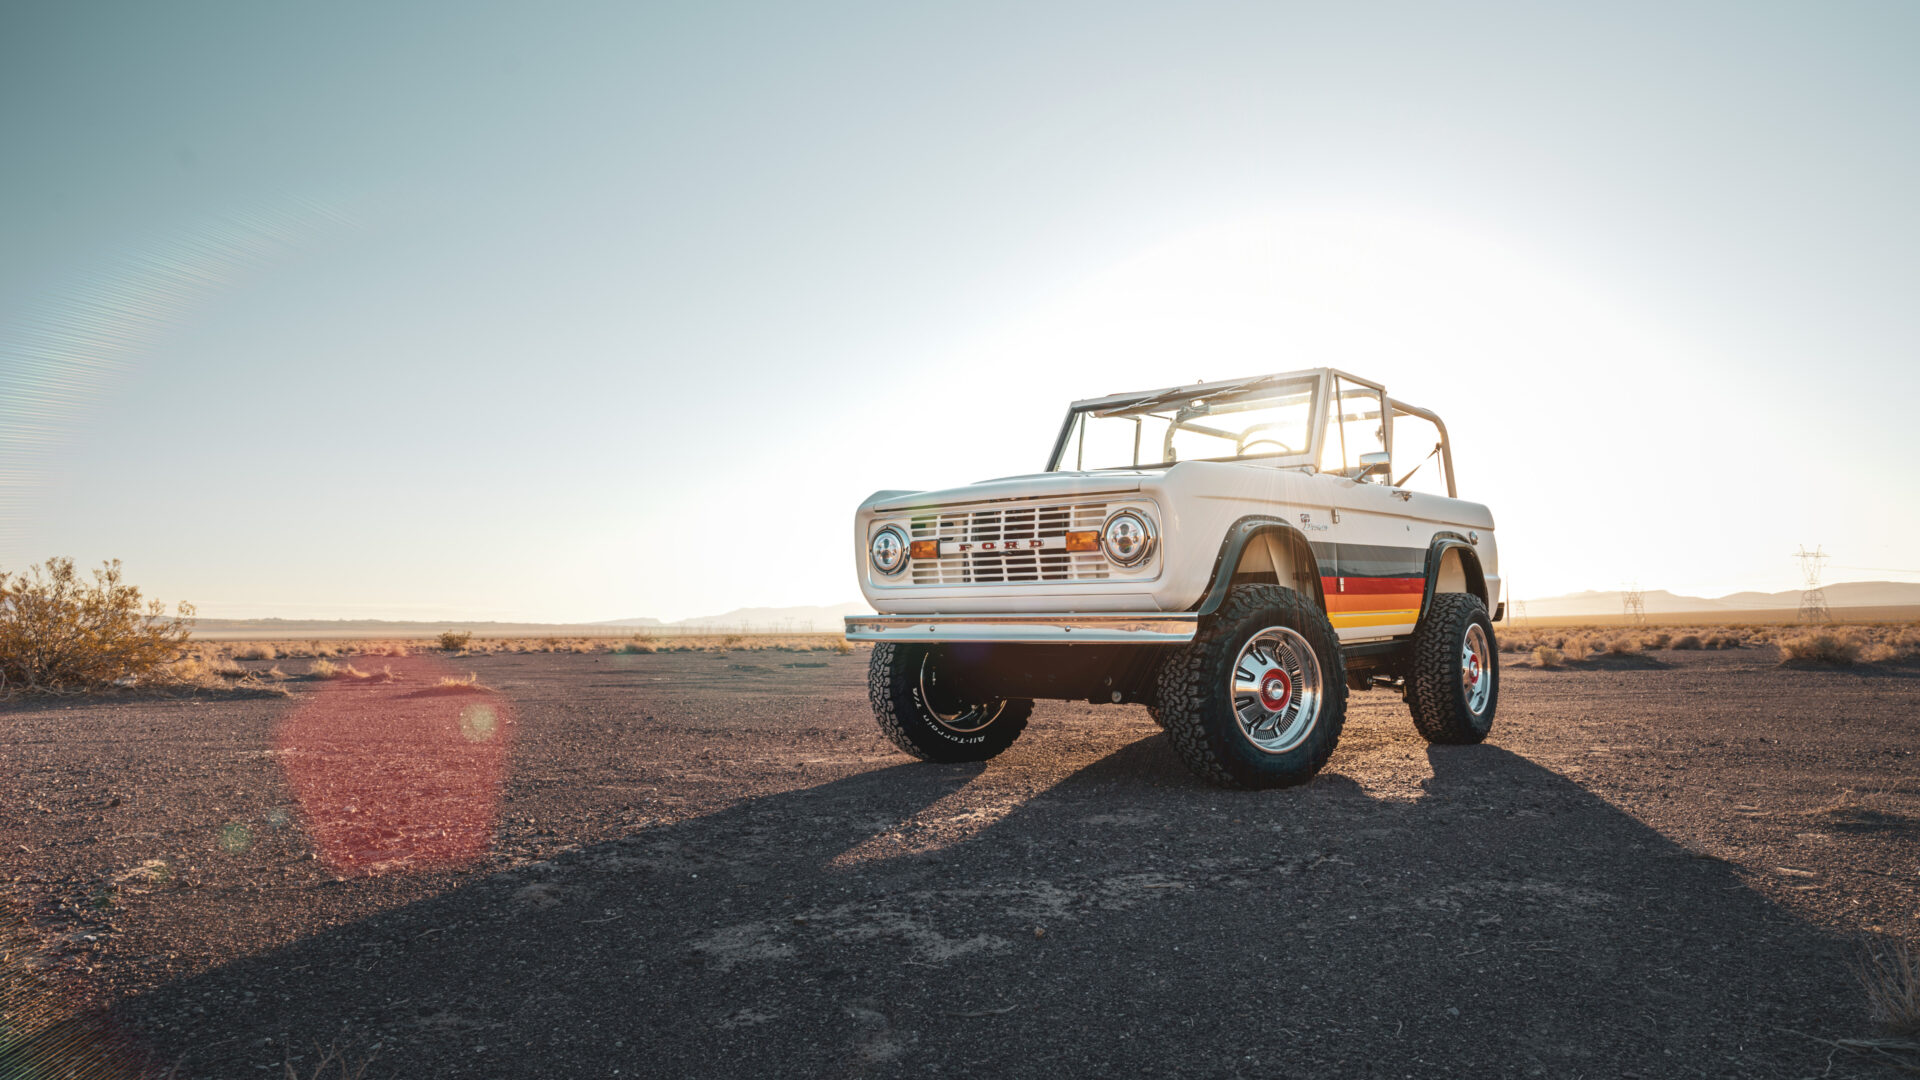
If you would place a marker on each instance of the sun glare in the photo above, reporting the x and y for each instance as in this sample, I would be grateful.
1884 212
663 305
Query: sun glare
1512 351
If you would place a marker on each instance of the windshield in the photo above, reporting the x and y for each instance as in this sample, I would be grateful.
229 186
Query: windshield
1260 418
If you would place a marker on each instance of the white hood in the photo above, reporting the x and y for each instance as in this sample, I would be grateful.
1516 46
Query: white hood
1036 485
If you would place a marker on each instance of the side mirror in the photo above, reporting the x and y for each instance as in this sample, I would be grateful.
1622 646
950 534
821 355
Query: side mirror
1376 462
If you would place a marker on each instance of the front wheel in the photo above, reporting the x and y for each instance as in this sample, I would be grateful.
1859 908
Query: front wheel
1455 682
1257 699
918 709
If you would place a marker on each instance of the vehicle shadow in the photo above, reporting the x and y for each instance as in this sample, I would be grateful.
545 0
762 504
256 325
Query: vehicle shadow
1125 921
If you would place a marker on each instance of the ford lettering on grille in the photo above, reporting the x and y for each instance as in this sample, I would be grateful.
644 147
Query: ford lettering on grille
1008 543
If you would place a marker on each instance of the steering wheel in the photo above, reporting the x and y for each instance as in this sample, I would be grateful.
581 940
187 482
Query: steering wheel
1284 448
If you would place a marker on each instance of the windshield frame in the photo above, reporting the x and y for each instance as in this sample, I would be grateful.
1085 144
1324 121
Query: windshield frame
1172 399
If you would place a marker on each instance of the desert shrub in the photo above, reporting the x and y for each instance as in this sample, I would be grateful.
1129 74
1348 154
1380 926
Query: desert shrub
1517 641
1546 657
275 673
1623 645
59 631
1687 641
1822 647
1890 972
449 684
1660 640
634 646
256 651
455 640
843 647
1890 645
1577 648
187 669
323 669
218 674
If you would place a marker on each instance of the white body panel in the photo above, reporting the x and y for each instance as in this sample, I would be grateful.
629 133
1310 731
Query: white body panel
1193 506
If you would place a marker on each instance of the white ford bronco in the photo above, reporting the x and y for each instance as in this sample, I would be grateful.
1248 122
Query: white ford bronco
1233 555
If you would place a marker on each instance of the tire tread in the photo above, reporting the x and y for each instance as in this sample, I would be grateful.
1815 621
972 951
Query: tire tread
895 710
1433 682
1185 683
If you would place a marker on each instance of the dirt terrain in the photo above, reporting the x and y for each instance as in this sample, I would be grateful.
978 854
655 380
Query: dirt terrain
699 864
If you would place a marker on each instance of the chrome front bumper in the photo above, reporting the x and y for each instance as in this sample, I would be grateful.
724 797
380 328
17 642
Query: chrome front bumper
1153 628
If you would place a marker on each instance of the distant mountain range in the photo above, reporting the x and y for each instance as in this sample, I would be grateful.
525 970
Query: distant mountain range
827 619
1846 594
748 620
758 619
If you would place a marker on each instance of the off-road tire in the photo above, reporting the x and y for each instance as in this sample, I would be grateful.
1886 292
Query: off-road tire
1196 703
1436 691
894 686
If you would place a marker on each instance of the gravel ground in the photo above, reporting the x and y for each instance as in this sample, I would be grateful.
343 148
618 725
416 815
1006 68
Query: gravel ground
711 864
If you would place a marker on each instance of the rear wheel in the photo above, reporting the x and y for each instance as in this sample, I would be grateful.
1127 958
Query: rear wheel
1455 682
1257 699
918 709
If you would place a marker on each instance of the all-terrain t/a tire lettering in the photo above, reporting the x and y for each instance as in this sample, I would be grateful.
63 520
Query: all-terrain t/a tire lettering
1258 698
1454 682
904 685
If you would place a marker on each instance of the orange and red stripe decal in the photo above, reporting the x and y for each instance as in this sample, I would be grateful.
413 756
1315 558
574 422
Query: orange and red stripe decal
1373 601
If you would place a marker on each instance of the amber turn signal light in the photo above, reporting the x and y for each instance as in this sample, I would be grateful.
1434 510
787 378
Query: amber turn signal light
925 549
1083 541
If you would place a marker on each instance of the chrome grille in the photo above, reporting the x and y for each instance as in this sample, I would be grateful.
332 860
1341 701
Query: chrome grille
1012 521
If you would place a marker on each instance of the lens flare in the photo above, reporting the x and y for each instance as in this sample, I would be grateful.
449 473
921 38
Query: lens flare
477 722
400 775
58 360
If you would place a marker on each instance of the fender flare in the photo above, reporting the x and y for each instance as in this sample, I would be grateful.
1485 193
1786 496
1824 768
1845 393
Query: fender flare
1469 565
1239 535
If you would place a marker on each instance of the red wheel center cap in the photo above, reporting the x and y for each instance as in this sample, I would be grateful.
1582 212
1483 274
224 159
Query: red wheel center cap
1473 670
1276 690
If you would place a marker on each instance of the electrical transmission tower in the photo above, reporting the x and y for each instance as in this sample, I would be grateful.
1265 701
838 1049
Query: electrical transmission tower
1813 601
1635 603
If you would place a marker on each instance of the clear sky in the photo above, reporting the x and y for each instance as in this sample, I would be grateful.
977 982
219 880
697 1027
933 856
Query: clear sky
586 311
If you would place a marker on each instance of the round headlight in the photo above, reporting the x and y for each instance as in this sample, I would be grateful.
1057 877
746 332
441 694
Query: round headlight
889 550
1127 538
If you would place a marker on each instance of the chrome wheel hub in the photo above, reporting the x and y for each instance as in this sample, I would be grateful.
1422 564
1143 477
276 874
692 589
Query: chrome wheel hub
1276 689
1476 677
949 712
